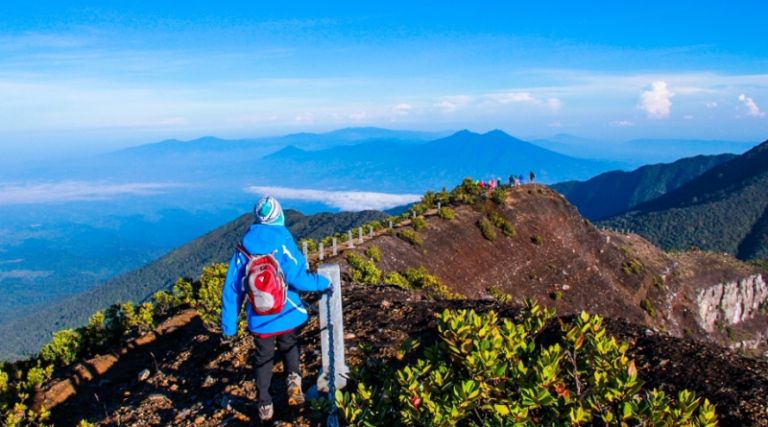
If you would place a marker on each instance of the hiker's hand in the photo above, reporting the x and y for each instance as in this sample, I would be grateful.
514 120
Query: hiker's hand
329 291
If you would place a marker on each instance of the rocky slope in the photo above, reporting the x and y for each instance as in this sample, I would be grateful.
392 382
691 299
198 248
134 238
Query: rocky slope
663 305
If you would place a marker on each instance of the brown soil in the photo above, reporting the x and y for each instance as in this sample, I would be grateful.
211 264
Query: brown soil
194 371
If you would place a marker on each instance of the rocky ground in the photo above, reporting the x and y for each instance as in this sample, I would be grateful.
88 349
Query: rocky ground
194 380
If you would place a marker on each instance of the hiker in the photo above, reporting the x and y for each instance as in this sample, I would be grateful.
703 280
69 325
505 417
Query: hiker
268 235
522 179
498 182
531 177
512 179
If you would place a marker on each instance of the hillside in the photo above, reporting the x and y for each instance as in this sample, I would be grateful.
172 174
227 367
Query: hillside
617 191
723 210
28 334
659 303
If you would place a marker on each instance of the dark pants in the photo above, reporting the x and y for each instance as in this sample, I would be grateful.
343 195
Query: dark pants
265 356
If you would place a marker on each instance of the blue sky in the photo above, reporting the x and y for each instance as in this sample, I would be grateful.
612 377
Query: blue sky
81 77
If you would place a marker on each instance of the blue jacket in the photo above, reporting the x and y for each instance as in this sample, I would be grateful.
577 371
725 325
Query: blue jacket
262 239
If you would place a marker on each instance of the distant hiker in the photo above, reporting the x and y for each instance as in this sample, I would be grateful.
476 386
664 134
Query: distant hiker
512 179
531 177
498 182
481 184
268 235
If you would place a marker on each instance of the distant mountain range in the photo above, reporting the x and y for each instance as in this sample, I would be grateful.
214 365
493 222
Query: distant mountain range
725 209
27 333
639 152
617 191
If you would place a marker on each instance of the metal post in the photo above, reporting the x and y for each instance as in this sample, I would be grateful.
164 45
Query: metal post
414 214
350 240
334 247
322 251
332 273
438 205
371 232
304 250
390 223
360 233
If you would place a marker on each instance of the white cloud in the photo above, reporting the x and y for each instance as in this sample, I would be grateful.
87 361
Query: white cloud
712 104
752 108
446 106
656 100
514 97
402 109
71 191
358 116
510 97
687 117
344 200
554 104
621 123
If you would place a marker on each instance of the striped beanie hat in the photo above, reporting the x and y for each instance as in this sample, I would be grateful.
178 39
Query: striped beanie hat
268 212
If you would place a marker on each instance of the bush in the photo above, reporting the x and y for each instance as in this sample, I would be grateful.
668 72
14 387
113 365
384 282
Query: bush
373 253
632 266
419 278
419 223
446 213
311 245
491 373
556 295
397 279
410 236
506 228
648 307
486 229
537 240
362 271
500 295
499 196
64 348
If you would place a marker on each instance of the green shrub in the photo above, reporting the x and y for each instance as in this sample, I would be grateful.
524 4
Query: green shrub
500 295
362 271
397 279
506 228
632 266
446 213
311 245
658 282
410 236
419 223
64 348
419 278
499 196
492 373
373 253
648 307
486 229
210 289
556 295
537 240
164 302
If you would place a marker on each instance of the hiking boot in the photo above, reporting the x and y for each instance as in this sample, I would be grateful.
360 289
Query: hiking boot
266 412
295 396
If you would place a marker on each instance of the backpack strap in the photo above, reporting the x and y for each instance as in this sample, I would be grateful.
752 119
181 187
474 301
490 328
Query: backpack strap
242 249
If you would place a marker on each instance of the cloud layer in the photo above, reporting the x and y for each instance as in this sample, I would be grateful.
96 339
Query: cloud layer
72 191
656 100
344 200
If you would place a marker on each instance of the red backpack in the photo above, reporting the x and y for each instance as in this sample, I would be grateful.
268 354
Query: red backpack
264 283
